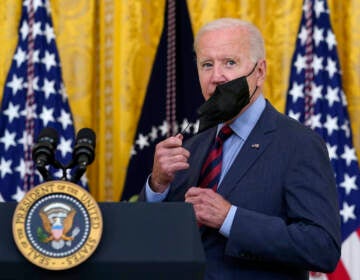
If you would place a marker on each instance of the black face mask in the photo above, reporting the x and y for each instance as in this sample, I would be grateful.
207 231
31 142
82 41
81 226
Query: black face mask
226 102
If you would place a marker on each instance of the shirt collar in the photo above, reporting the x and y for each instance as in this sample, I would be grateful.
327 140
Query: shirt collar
243 124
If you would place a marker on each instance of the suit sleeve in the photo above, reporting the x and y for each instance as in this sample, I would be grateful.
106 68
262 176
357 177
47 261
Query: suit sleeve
309 235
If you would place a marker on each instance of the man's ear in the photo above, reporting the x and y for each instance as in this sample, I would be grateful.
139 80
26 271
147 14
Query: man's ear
261 72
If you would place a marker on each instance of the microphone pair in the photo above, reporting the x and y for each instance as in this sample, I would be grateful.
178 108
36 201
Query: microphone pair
43 152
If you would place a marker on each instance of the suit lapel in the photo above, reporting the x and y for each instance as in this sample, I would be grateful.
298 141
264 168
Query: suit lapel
201 144
257 142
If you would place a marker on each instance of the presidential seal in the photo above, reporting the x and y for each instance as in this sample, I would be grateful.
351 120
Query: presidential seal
57 225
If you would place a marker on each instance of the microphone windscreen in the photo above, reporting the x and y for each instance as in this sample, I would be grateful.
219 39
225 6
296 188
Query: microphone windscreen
48 134
86 135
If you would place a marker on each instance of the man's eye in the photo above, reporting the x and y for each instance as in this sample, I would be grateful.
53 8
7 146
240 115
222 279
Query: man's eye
206 65
230 62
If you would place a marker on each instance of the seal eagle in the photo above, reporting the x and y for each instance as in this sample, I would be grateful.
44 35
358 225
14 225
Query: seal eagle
56 227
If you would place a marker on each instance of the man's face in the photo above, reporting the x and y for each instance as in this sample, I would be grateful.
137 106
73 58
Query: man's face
222 55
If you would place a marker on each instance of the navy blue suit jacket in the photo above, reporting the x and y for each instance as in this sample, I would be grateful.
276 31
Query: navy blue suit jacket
287 220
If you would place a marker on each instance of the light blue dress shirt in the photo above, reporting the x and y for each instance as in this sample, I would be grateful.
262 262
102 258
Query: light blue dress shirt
242 127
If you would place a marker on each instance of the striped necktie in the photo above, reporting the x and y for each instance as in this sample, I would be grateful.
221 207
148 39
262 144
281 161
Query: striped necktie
211 170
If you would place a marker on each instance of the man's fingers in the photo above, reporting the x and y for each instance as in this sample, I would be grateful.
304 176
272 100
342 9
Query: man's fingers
170 142
179 136
196 191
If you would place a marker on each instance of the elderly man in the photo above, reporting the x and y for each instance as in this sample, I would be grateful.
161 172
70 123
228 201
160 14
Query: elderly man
261 184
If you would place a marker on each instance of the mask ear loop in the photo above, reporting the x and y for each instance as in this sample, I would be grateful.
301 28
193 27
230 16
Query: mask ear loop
248 76
252 70
253 92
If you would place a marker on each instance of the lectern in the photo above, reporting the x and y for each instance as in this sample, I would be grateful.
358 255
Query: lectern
139 241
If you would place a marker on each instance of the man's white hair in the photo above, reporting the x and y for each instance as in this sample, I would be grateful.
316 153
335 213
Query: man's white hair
256 41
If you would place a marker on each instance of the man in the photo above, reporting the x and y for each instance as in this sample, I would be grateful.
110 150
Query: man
273 213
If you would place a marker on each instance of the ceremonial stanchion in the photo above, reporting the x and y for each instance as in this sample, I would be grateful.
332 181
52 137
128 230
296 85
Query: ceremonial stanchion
61 232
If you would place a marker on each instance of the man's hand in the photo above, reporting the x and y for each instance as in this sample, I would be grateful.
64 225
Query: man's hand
169 158
210 207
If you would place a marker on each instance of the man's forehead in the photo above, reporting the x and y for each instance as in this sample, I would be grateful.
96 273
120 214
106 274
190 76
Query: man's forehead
220 38
221 49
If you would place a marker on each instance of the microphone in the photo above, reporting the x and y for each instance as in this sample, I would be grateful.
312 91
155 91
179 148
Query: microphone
43 152
83 153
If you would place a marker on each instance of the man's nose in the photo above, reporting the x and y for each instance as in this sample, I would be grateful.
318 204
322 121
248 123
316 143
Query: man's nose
218 76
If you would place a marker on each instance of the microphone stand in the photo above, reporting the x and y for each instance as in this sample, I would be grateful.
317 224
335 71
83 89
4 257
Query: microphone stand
78 172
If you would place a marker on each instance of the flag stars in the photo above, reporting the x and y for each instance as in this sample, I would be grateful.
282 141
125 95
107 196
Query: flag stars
19 57
331 124
303 35
196 126
29 112
349 184
19 195
5 167
142 141
12 112
21 168
65 146
349 155
343 98
297 91
35 57
316 92
164 128
185 126
24 30
47 115
347 212
48 60
64 119
346 128
22 140
63 93
45 81
48 88
132 151
1 198
37 29
58 174
49 33
300 63
329 102
295 116
48 8
315 121
153 134
8 139
36 3
332 151
332 95
84 180
317 64
318 35
331 67
16 84
319 8
330 40
35 83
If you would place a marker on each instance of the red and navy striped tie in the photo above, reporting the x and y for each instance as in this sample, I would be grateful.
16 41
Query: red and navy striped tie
211 170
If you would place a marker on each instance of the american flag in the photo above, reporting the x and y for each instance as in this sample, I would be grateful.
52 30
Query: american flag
316 98
34 98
